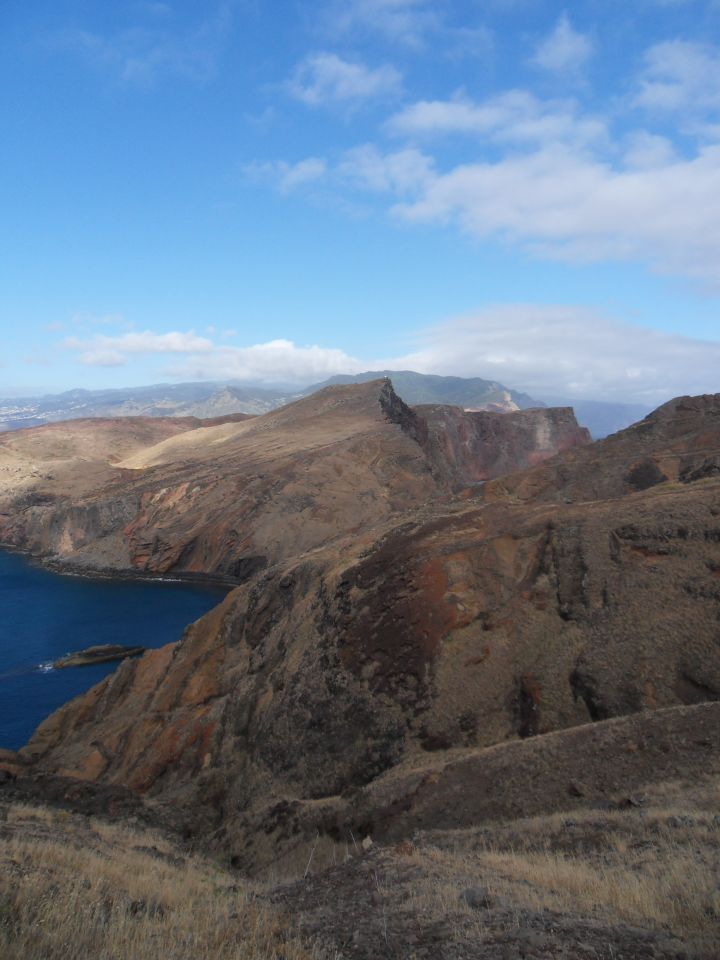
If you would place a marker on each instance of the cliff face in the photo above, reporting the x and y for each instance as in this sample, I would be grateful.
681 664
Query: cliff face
471 446
232 497
678 442
457 625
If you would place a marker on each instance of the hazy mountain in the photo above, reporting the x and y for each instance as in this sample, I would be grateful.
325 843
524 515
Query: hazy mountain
206 399
220 398
467 392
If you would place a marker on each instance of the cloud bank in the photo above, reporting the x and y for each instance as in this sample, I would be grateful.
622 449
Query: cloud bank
203 359
545 350
569 351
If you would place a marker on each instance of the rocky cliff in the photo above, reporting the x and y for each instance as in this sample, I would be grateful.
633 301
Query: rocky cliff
445 624
229 497
467 447
675 443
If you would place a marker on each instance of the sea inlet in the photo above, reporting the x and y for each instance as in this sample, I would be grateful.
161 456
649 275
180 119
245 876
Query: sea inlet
44 615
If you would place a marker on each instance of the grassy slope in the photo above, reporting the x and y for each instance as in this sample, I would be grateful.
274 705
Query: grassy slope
74 887
602 884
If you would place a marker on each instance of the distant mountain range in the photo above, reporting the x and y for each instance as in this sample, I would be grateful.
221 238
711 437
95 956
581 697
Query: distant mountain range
202 399
468 392
216 399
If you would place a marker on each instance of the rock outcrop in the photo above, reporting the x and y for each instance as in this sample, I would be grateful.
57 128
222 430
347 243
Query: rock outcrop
467 447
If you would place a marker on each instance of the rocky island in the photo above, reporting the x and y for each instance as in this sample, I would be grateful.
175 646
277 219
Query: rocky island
102 653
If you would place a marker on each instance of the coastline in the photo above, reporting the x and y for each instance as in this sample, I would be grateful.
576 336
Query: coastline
50 611
63 568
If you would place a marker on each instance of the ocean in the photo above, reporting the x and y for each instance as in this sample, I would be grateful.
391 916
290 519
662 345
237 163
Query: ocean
44 615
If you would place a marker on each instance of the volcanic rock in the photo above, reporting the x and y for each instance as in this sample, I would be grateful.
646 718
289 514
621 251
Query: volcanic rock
102 653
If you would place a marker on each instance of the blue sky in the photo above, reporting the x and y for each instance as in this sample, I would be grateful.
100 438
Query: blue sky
514 189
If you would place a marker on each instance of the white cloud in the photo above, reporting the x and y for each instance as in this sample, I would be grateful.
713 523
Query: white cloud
644 151
306 171
571 351
565 50
276 360
105 351
560 200
412 24
542 174
680 77
287 176
365 167
402 172
326 78
561 350
513 116
563 204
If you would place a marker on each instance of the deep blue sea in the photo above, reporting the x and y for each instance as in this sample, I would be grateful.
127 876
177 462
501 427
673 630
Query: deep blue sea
44 615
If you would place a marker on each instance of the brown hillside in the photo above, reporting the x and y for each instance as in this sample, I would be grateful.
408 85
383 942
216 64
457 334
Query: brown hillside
230 498
467 624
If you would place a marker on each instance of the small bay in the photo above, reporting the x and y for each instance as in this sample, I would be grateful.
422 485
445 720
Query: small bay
44 615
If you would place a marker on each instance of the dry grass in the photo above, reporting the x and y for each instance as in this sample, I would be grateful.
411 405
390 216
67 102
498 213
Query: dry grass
71 888
614 866
673 889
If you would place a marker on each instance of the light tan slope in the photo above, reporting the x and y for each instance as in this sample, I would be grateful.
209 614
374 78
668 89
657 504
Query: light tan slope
94 438
226 499
78 455
197 444
331 416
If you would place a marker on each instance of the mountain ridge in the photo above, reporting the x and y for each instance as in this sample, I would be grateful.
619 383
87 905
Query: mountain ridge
217 398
